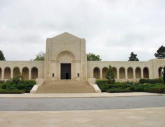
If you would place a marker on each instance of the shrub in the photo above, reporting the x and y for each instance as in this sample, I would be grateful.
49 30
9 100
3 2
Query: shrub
18 85
110 76
13 91
152 81
27 85
104 87
116 90
101 82
131 87
156 88
1 81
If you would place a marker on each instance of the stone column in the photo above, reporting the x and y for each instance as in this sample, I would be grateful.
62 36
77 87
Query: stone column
12 72
126 74
117 73
3 73
101 74
134 76
142 76
29 74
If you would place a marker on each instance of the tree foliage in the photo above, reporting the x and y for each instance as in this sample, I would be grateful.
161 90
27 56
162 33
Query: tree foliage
160 54
2 57
93 57
40 57
110 75
133 57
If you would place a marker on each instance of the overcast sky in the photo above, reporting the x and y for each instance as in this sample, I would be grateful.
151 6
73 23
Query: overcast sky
112 28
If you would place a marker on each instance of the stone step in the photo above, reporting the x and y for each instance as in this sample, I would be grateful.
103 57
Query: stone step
65 86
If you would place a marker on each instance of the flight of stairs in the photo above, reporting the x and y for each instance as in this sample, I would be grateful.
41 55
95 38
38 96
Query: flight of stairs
65 86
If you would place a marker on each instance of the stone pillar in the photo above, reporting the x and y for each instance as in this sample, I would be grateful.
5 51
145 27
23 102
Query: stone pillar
134 75
3 73
21 70
117 73
142 76
30 74
126 74
11 72
101 74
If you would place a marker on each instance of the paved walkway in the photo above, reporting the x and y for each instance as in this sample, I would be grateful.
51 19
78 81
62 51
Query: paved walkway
142 117
65 104
73 95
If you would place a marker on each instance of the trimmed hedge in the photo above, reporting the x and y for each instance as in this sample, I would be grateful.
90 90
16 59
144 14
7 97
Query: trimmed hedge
152 81
16 86
130 87
101 82
13 91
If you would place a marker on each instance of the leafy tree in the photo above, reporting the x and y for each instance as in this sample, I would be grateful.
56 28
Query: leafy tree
110 75
160 54
40 57
133 57
2 57
93 57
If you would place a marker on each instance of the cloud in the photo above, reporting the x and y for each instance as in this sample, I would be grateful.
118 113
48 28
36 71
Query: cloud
112 28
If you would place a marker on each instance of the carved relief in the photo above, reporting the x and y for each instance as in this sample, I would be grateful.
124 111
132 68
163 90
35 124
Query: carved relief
65 57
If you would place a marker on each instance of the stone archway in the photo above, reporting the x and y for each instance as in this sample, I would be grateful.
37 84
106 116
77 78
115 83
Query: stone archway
25 73
130 73
34 73
16 72
7 73
122 73
160 71
146 72
138 73
96 73
66 65
114 71
104 72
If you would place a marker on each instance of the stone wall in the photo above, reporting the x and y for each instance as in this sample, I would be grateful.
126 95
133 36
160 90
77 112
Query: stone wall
28 69
126 70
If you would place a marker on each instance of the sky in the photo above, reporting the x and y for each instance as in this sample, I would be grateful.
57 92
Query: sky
111 28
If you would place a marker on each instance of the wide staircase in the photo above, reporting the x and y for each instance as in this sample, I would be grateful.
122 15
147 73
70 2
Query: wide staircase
65 86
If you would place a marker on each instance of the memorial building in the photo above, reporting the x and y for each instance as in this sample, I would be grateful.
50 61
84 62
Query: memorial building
66 69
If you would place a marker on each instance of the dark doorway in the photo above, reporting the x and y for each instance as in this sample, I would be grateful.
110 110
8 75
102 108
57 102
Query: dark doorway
65 71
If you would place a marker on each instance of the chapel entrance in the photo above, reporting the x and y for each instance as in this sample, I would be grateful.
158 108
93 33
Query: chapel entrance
65 71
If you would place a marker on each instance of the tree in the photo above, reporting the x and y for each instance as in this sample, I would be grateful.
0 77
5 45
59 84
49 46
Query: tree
133 57
93 57
160 54
40 57
110 75
2 57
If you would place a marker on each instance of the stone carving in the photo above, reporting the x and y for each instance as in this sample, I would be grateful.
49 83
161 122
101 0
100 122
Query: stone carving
65 57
